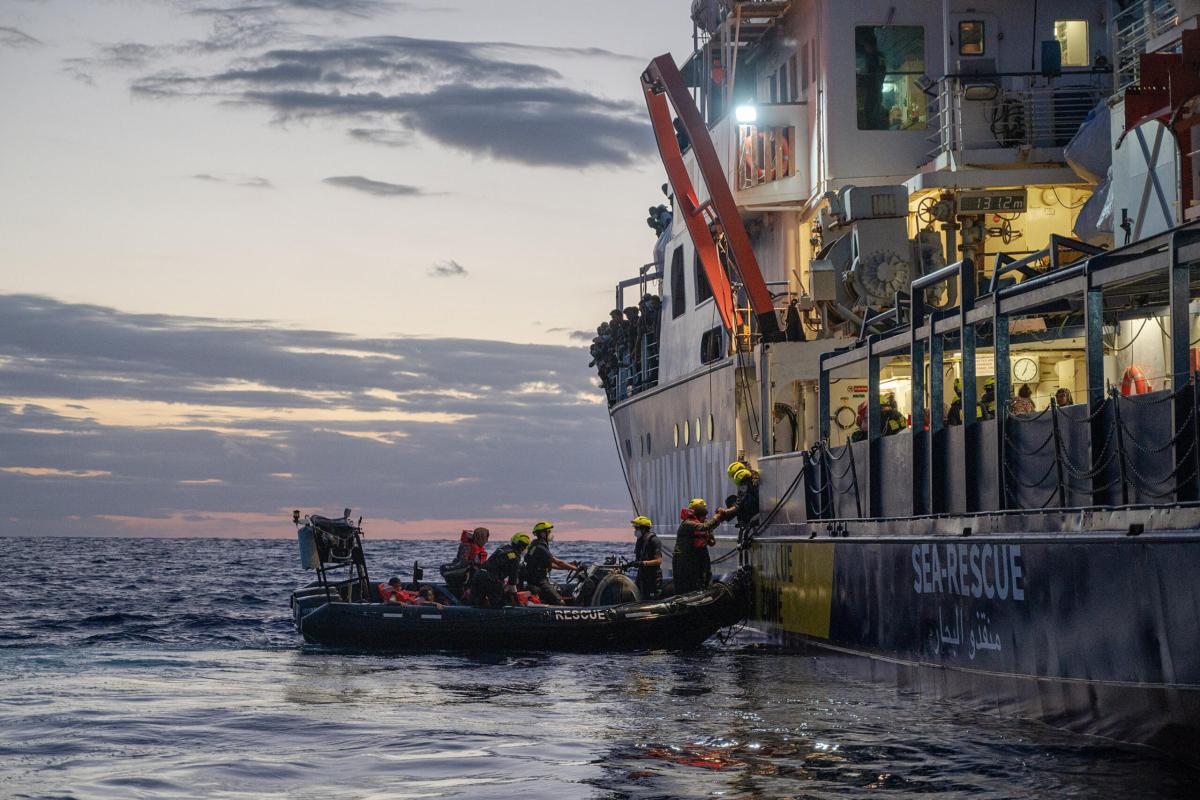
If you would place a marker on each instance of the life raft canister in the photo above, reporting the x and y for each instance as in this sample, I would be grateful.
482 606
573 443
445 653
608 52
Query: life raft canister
1134 381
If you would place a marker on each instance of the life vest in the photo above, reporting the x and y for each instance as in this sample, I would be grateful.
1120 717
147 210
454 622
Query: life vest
476 554
1134 381
700 538
391 594
528 599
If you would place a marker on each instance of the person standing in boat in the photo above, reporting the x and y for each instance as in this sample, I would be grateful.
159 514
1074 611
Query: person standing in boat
497 579
472 552
539 561
691 565
647 557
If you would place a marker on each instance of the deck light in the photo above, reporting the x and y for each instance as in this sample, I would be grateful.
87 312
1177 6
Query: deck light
745 114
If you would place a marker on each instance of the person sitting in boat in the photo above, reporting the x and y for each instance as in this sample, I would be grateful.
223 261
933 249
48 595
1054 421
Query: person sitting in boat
470 557
539 562
691 565
394 592
497 579
647 557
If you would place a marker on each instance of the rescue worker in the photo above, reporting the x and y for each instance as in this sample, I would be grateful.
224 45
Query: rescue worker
987 403
647 557
893 421
469 558
744 505
539 561
954 415
499 574
691 565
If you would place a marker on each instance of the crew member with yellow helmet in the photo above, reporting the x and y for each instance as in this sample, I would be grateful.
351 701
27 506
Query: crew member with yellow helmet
647 557
497 579
539 561
691 566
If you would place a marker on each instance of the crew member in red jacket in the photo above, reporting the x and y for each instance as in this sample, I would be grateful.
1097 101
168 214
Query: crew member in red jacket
691 566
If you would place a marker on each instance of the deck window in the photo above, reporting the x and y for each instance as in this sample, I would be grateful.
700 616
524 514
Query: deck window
889 62
1072 36
703 288
970 37
711 345
678 298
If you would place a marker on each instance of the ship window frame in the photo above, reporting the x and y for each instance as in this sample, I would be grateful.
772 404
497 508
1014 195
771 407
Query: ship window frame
982 43
910 77
711 427
648 450
678 284
699 439
687 433
1062 43
628 449
703 288
677 434
711 353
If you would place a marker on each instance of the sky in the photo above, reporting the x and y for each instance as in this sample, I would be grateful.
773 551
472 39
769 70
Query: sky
258 255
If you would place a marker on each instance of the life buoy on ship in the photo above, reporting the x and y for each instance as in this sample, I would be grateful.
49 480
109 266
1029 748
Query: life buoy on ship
1134 381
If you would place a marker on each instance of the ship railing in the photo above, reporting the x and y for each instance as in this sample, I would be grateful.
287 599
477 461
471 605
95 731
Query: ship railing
1108 451
1011 112
1134 28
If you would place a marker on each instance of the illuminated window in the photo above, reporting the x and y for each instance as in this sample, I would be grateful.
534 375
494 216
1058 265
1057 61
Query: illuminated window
677 434
687 433
1072 36
970 37
710 427
889 60
697 430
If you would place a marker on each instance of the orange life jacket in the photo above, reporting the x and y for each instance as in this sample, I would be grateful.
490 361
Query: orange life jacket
390 594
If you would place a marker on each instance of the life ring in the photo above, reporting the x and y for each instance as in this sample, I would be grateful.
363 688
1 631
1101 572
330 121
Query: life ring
1134 382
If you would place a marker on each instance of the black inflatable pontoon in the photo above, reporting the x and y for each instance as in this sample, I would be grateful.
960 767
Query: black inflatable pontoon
674 622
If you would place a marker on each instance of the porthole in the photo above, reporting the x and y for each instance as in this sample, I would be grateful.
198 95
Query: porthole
677 434
698 440
648 450
641 446
687 433
710 427
628 449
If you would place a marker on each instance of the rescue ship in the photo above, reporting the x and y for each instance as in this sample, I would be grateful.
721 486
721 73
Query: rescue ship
966 212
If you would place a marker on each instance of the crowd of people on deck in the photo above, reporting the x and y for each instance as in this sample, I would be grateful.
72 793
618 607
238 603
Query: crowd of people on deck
893 421
519 572
617 345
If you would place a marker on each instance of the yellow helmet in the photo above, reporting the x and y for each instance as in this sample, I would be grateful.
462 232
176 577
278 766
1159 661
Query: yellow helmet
520 540
733 468
641 522
542 527
742 476
698 503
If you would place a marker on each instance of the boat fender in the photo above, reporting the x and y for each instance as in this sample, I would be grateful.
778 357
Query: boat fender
1134 381
614 590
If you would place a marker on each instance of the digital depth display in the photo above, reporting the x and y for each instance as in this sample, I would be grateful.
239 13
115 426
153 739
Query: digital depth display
992 202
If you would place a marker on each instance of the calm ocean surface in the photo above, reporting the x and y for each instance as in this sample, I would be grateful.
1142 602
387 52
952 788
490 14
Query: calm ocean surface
169 668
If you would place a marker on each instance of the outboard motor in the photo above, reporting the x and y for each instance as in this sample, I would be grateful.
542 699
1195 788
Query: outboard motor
616 588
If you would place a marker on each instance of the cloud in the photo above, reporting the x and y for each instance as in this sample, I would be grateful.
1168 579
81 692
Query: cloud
448 269
485 99
117 418
377 188
15 37
235 179
574 334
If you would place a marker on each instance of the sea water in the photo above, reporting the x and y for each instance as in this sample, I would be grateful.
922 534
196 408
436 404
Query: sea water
156 668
